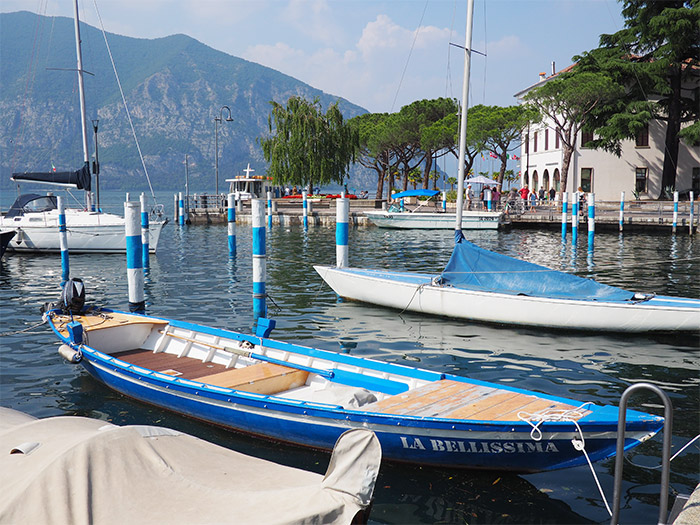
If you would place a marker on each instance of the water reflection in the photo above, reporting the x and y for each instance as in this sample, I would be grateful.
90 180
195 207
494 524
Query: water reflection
192 277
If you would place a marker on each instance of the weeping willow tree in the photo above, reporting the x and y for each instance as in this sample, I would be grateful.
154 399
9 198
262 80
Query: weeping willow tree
306 146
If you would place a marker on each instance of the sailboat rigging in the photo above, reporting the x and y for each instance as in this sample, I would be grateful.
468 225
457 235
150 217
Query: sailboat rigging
34 217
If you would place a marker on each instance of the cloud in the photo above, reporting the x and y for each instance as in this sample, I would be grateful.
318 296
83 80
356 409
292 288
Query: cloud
370 70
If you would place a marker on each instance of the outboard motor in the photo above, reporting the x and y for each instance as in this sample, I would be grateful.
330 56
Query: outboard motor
73 296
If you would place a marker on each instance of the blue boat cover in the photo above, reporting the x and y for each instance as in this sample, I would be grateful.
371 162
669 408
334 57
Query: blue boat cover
415 193
474 268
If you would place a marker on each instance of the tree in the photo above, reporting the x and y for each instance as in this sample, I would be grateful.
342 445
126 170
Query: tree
501 129
655 57
451 181
568 101
375 149
306 146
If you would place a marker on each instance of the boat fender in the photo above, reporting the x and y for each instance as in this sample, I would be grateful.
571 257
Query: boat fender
69 354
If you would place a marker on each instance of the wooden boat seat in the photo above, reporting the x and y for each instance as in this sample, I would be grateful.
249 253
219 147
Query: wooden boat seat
458 400
260 378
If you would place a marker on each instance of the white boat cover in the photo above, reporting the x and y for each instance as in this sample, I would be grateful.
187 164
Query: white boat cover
79 470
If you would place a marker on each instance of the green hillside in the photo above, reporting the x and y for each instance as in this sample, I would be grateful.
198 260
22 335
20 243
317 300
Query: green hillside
174 87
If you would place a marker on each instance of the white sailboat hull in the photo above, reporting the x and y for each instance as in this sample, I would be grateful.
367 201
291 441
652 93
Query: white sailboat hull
88 232
417 293
471 220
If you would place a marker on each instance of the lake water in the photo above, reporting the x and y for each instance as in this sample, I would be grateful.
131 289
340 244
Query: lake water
193 278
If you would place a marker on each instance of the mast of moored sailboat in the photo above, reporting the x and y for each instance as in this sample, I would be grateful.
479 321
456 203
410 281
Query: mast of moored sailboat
81 90
463 119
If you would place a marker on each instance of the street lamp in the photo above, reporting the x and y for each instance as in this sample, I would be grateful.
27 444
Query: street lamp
216 138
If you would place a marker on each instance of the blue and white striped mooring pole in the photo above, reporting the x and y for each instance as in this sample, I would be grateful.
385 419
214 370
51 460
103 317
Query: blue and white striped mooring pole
622 210
591 219
231 202
444 201
259 259
63 241
564 214
692 205
145 235
180 210
574 218
134 263
305 206
675 211
269 209
342 228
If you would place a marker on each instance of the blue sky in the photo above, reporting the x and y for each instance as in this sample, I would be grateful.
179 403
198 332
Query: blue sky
377 54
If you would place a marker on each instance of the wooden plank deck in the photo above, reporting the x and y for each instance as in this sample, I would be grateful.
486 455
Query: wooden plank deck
260 378
458 400
184 367
105 320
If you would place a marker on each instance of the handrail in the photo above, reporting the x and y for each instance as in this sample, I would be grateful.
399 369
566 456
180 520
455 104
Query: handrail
665 457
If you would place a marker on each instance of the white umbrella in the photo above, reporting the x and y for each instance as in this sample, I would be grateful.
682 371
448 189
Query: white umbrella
480 179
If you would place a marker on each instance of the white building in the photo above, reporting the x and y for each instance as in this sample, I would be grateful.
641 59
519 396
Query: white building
637 171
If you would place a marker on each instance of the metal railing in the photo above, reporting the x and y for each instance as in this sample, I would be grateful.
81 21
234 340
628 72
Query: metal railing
665 457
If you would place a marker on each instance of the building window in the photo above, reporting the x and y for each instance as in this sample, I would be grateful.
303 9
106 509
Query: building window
556 139
642 139
586 137
696 182
527 143
587 179
534 143
640 180
546 139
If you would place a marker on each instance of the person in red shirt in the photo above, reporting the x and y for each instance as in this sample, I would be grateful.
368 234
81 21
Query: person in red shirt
524 192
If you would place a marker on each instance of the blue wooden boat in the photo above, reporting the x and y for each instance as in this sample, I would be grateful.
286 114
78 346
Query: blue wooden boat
291 393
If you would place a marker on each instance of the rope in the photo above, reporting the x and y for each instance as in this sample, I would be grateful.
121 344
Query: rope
126 107
24 330
672 457
579 443
419 288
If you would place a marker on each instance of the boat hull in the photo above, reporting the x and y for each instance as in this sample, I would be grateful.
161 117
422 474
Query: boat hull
418 293
87 232
509 445
471 220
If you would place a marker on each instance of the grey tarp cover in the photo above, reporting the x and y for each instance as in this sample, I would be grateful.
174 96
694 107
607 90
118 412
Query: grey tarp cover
78 470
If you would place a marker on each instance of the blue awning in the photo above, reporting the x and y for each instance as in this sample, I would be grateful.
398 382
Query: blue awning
415 193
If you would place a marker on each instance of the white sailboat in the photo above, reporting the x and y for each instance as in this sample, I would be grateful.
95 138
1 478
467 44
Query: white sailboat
34 217
481 285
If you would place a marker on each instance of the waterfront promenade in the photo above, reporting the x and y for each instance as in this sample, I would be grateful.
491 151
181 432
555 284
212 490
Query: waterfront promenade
638 215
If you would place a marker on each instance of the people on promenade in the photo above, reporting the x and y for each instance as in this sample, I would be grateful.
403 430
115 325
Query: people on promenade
533 199
470 196
524 193
540 195
552 195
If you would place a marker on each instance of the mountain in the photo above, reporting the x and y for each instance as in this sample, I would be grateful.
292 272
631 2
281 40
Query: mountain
174 87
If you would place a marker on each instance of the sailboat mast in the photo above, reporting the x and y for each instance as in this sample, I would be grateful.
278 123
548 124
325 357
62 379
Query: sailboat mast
81 85
463 120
